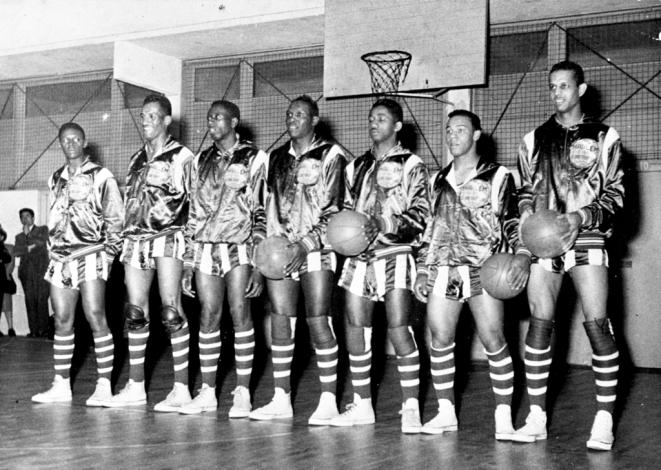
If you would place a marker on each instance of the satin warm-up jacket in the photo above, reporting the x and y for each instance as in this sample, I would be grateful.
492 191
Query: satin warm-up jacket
86 211
573 169
394 188
157 191
227 194
472 221
304 192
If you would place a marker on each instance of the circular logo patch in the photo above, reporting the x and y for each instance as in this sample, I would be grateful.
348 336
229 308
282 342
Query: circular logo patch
474 193
236 176
80 187
389 174
308 171
158 174
583 153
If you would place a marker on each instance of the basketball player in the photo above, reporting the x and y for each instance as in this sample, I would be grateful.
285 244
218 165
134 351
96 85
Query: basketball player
475 214
85 221
389 184
228 183
305 187
156 212
571 164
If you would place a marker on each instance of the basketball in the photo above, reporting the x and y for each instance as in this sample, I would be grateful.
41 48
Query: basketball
271 256
493 276
346 233
542 233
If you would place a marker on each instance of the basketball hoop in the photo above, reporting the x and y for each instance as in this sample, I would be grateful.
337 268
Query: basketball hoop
388 70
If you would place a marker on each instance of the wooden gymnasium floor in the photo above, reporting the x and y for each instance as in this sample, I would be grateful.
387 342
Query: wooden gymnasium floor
74 436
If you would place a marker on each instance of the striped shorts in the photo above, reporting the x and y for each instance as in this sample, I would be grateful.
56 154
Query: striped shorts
218 259
373 279
454 282
140 253
72 273
316 261
575 257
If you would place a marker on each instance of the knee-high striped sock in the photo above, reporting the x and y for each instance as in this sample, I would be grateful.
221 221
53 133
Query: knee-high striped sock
62 354
360 364
327 364
244 353
137 352
409 374
442 372
605 362
209 344
501 371
282 354
105 353
179 340
537 360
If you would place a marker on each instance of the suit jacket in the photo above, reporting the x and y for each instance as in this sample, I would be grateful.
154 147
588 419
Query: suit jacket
35 261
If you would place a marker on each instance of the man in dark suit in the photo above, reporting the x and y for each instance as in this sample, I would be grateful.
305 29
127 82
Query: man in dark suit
30 247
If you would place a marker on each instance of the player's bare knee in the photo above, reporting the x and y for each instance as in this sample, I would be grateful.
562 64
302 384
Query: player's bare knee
136 319
402 340
321 330
283 328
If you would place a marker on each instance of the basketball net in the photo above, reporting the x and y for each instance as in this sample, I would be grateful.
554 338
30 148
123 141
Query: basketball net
388 70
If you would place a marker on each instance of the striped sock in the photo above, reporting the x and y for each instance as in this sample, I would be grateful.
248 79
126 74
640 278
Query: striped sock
409 374
62 354
537 365
244 353
442 372
501 371
605 362
137 351
209 344
282 354
327 364
105 353
179 341
360 365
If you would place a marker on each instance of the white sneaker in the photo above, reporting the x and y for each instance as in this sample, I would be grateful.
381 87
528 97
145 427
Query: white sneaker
60 392
601 435
411 416
326 410
204 401
102 393
178 397
444 421
359 412
278 408
535 427
503 420
133 394
241 406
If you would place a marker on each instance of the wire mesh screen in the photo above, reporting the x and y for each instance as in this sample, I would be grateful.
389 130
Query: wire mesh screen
516 98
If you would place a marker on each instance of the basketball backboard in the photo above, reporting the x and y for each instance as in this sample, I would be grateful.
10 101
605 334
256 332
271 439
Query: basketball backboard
447 40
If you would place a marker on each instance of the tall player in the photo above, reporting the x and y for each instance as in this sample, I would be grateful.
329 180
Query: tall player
85 221
228 183
305 187
156 212
475 214
572 164
389 184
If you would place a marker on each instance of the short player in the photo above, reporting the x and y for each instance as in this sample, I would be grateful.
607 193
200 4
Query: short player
475 214
156 212
305 188
389 184
85 222
226 220
572 164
